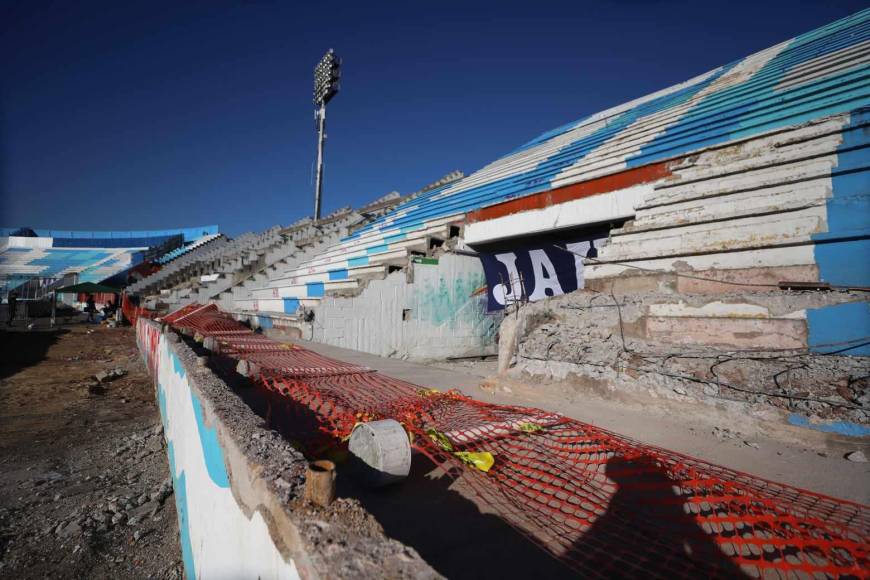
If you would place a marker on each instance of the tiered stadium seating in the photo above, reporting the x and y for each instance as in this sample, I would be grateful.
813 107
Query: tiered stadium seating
308 240
228 271
745 98
763 92
340 265
215 266
182 250
91 265
83 256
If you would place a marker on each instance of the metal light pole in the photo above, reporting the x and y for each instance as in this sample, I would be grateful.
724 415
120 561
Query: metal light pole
321 137
326 76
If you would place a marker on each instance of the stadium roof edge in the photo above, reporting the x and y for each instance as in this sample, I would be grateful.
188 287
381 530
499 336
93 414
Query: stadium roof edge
189 233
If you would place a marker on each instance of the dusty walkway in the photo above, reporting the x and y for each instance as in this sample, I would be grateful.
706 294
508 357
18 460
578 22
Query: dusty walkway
84 485
820 468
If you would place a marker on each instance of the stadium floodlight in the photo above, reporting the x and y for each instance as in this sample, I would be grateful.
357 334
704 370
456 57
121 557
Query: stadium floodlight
327 73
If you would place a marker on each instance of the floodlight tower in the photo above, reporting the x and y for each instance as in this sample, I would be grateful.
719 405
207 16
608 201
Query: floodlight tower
326 76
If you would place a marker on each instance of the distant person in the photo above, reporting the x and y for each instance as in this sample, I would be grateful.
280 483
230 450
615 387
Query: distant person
12 300
90 307
109 310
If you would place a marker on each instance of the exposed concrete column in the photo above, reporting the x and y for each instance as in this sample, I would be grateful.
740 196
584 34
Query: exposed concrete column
507 342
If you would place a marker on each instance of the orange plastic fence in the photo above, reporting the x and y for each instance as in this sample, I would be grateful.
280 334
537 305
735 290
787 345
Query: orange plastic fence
132 312
604 505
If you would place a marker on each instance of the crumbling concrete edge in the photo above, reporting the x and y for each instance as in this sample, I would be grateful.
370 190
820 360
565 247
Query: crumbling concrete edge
265 476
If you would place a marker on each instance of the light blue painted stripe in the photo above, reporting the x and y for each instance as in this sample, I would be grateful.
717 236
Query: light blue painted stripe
177 366
314 289
757 105
847 263
849 205
357 262
838 324
745 109
212 454
839 427
211 447
291 305
179 488
377 249
394 238
844 263
338 274
161 402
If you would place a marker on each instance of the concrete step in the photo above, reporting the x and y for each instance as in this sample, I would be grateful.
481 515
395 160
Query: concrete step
277 305
398 257
377 271
310 290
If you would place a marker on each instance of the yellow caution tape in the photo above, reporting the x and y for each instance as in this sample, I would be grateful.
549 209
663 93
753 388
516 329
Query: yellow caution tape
441 439
347 437
482 460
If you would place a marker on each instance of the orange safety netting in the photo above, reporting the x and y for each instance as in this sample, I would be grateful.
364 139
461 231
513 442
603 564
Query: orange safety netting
601 503
132 312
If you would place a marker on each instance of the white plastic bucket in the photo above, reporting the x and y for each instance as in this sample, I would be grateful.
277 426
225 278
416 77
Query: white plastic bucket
382 450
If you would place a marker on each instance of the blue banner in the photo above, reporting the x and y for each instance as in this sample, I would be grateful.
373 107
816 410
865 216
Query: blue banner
537 269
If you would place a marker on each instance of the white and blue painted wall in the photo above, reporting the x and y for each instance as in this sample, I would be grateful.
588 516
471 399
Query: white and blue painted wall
219 538
238 486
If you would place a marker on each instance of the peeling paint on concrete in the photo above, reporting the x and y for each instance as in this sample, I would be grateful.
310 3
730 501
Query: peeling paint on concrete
838 427
765 364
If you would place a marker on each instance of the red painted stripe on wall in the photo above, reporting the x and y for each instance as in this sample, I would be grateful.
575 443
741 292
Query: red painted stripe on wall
597 186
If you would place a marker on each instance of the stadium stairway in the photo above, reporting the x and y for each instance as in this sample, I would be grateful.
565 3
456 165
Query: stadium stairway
344 268
294 261
176 268
182 250
299 244
221 268
306 240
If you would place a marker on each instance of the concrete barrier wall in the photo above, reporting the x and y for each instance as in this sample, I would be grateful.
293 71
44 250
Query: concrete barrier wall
759 354
235 483
427 314
217 538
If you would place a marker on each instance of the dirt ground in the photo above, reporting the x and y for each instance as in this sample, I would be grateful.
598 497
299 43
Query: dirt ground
85 490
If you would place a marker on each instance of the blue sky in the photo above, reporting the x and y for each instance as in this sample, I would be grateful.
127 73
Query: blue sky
127 115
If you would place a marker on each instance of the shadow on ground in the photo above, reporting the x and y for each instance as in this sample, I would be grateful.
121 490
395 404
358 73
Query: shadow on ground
430 512
643 530
22 349
427 512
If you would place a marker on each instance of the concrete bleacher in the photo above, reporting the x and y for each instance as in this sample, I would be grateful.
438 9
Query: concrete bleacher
343 264
19 264
84 256
112 239
304 259
216 266
182 250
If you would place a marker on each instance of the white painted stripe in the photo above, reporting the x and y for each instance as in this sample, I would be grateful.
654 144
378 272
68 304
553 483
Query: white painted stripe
605 207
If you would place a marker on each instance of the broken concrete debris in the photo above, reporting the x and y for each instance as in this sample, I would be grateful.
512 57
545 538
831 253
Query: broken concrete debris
857 457
110 375
736 349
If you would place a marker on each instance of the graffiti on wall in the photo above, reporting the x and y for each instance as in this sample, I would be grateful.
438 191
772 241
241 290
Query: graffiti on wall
453 303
